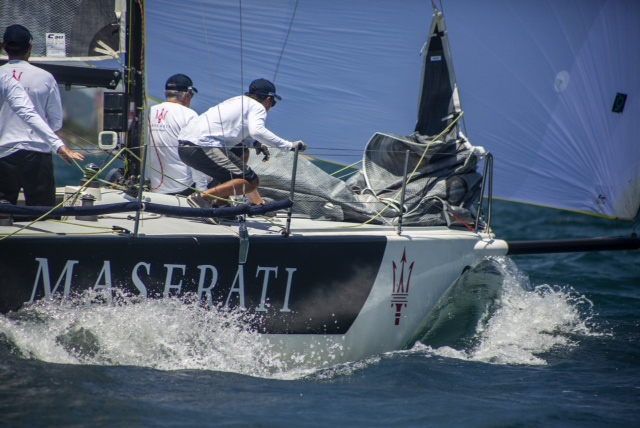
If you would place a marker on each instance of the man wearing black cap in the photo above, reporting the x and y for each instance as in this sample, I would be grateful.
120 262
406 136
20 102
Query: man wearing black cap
206 143
25 151
168 174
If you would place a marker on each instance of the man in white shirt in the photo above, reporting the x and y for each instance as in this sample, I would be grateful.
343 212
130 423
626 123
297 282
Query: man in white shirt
29 116
206 142
168 174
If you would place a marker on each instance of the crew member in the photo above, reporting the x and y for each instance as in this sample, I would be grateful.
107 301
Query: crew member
30 110
206 143
168 173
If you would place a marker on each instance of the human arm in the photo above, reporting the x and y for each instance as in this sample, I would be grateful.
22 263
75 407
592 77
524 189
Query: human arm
54 107
66 155
258 130
19 102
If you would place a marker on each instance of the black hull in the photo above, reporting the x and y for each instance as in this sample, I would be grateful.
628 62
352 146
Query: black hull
294 285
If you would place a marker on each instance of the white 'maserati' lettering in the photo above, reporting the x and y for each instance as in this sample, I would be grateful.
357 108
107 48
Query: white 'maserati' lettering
108 283
207 281
208 290
43 272
136 279
239 280
167 281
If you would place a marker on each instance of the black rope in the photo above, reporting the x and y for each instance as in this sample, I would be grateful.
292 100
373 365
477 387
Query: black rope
275 75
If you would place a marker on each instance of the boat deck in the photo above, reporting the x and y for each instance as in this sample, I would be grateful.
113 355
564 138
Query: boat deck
159 225
152 224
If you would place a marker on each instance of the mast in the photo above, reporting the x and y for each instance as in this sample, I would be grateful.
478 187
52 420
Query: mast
134 86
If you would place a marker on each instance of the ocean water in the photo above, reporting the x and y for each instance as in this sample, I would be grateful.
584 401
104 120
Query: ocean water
527 341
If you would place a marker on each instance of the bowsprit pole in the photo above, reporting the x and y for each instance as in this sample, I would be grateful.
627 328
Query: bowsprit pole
573 245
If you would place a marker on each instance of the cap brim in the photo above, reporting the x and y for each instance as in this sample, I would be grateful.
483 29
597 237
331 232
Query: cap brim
180 88
268 94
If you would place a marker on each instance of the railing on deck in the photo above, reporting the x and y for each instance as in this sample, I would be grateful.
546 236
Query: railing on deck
487 180
86 212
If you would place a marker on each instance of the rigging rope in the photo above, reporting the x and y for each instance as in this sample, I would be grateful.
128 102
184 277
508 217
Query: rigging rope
284 45
72 198
157 151
226 148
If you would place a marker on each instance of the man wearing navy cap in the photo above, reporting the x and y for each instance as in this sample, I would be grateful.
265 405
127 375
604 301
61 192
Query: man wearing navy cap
168 174
26 131
206 143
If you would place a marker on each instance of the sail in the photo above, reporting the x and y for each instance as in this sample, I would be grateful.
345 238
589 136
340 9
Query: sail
549 88
439 107
345 70
542 83
552 90
344 75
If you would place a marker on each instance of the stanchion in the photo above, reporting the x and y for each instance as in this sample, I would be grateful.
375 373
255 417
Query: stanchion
404 189
293 188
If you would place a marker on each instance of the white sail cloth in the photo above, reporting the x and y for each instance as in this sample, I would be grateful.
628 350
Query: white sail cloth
538 81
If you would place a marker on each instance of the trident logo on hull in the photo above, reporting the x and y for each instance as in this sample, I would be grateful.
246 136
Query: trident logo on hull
400 295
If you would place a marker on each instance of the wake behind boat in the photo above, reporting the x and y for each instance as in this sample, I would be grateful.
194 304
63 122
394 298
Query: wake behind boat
355 265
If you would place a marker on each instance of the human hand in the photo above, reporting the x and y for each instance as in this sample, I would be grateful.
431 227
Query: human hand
67 155
300 145
262 149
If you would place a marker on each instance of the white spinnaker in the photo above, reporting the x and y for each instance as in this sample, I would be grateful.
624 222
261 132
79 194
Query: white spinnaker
537 81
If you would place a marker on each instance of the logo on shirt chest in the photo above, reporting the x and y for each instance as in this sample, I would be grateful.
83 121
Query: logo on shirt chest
161 115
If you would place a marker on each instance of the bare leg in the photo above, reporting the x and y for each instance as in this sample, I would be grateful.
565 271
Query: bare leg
255 198
233 187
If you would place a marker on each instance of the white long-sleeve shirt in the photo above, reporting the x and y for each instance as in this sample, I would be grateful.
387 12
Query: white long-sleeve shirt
19 117
165 122
236 120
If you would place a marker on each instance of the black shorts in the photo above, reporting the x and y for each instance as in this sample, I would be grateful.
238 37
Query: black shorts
239 150
218 163
33 173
